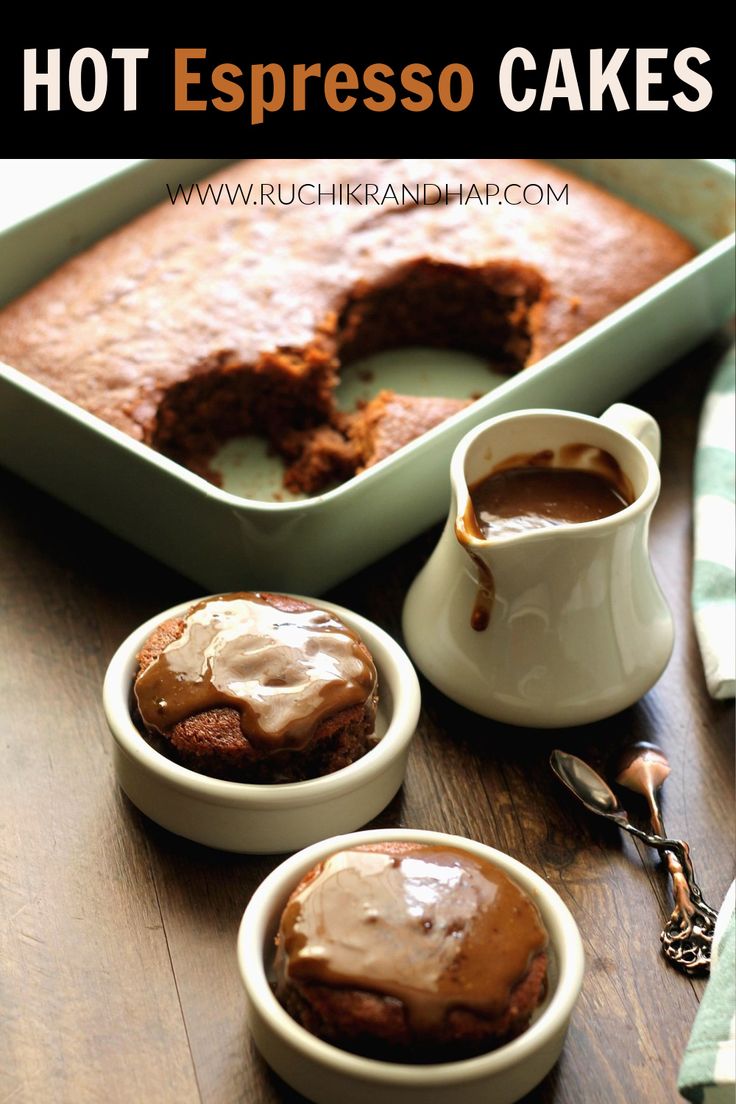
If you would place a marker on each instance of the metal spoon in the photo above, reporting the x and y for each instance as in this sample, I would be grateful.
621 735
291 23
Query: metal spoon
688 937
589 788
643 768
598 797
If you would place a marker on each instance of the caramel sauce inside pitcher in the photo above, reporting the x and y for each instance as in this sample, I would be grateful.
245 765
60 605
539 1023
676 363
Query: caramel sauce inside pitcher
539 490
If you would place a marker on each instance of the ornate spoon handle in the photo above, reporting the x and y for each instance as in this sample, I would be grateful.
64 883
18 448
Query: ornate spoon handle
687 938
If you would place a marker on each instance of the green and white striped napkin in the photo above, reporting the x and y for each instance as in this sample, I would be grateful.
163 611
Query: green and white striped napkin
708 1070
714 600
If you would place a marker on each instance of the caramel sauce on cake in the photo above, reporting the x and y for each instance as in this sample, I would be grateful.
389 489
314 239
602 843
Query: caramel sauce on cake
284 666
434 927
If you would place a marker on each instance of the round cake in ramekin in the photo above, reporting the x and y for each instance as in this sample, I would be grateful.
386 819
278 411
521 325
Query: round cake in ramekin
410 952
257 687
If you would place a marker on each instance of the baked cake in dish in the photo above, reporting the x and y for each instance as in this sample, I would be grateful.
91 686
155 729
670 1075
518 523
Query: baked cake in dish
196 323
353 442
257 687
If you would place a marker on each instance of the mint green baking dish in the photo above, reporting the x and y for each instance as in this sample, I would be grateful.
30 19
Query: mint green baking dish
225 540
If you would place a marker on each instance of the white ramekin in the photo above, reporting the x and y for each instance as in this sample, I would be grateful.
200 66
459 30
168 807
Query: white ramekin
258 819
328 1075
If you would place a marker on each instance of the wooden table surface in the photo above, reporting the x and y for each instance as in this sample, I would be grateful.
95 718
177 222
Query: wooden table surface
117 941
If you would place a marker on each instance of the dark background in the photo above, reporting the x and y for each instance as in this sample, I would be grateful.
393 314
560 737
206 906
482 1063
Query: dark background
485 127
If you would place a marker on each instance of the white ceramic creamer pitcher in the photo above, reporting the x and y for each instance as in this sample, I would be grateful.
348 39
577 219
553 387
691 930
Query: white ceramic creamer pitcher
548 627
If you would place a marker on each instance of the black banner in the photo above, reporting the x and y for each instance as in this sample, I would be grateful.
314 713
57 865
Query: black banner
520 92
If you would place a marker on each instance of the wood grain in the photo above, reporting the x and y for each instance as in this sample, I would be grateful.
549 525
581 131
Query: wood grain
117 959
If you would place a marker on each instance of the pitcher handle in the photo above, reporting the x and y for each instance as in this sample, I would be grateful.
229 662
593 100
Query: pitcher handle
637 423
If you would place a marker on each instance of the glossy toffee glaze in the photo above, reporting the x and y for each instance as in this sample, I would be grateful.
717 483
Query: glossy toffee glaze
538 490
434 927
282 664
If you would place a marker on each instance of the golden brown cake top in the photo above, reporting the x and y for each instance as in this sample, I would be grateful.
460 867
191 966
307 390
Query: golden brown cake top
390 421
185 289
